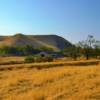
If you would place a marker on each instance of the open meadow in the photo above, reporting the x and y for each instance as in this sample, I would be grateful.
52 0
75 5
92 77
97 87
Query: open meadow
49 49
58 80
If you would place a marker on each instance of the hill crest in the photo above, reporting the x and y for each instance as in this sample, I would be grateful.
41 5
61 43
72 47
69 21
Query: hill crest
37 41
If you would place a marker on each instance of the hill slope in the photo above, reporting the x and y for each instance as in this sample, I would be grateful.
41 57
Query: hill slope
37 41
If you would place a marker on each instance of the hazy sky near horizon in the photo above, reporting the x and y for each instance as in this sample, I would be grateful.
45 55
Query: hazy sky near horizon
72 19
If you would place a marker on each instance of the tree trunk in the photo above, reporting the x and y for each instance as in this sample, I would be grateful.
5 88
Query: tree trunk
87 57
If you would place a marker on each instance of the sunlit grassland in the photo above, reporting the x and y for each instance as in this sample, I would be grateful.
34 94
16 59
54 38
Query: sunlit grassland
55 83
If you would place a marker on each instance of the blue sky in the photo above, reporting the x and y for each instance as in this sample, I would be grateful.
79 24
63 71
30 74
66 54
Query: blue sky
72 19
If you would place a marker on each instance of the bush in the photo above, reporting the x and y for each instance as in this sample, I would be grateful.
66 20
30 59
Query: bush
29 59
49 58
39 58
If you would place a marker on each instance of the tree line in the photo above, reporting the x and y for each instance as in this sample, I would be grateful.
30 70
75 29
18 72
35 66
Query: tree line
21 50
89 48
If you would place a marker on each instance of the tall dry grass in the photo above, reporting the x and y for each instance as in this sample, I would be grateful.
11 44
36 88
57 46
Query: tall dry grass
55 83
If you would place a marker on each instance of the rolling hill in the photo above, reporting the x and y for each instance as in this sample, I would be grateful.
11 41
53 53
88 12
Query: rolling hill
37 41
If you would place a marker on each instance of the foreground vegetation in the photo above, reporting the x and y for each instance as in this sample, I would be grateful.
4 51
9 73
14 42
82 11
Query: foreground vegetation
61 82
89 48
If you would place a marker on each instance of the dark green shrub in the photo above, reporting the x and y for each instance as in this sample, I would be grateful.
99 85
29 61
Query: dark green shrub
49 58
39 58
29 59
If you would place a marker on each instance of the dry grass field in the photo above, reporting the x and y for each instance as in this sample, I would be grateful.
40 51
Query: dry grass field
63 82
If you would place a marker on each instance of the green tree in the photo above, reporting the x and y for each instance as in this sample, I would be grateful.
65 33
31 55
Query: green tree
87 46
72 52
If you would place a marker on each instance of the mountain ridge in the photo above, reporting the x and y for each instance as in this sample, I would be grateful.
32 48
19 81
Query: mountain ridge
50 41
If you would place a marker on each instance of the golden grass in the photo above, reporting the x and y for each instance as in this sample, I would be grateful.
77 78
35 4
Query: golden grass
10 59
56 83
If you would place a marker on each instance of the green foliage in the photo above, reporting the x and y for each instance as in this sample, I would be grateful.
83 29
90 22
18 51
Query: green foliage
47 58
45 49
90 47
72 52
21 50
38 58
6 50
18 50
29 59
